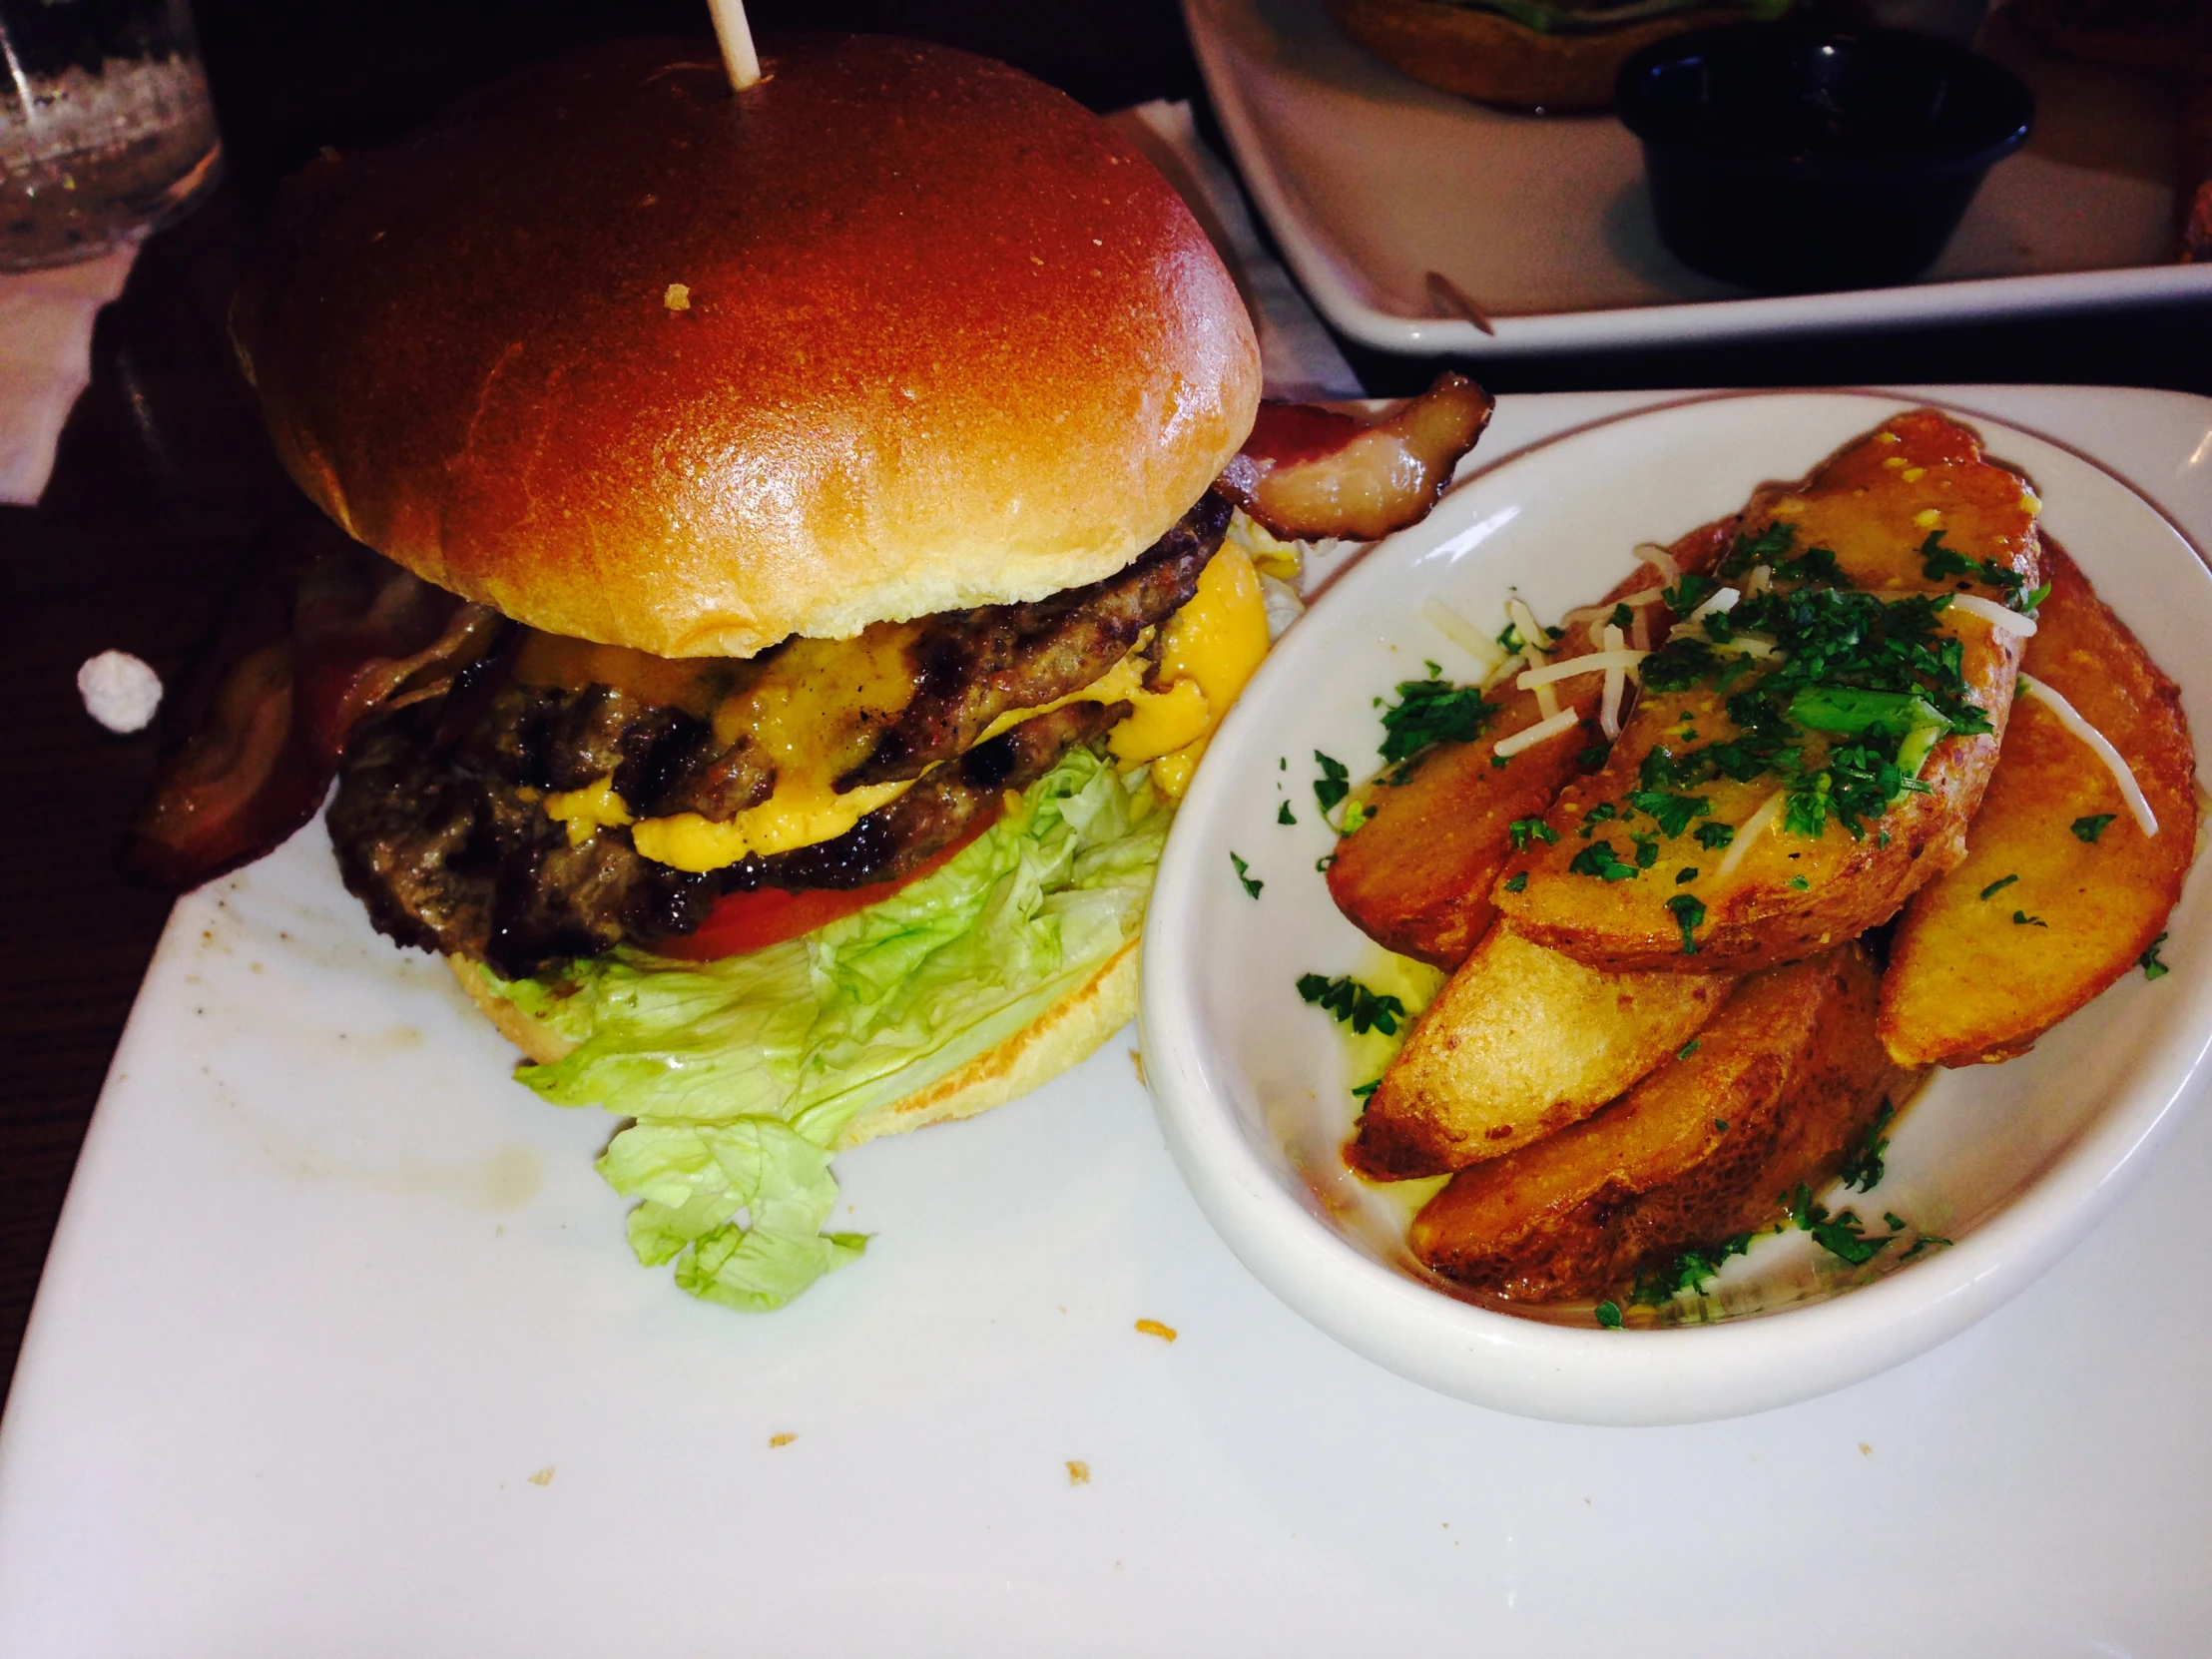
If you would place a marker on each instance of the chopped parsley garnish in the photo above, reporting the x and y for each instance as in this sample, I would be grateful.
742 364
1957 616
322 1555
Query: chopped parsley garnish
1524 830
1243 877
1798 883
1367 1089
1688 872
1283 814
2021 918
1600 859
1590 758
1602 812
1894 1221
1518 882
2090 827
1672 813
1862 1168
1609 1314
1355 815
1845 713
1692 1270
1687 1050
1999 885
1938 561
1352 1003
1689 592
1763 549
1622 617
1815 564
1924 1242
1715 836
1647 849
1430 711
2148 961
1333 784
1688 915
1839 1236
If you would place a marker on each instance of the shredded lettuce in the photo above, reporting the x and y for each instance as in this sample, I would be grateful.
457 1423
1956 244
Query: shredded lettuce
741 1074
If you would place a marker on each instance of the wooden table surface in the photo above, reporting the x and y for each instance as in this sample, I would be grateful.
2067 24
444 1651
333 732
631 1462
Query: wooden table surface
163 473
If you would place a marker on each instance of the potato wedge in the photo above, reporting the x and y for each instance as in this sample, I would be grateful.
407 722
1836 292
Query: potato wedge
1415 877
1785 1079
1969 981
1788 894
1519 1043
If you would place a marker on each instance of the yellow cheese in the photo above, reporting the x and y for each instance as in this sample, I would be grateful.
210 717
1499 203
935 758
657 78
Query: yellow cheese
792 816
1162 720
585 810
1211 646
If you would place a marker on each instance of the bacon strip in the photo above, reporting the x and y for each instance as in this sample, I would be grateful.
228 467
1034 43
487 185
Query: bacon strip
320 633
1308 471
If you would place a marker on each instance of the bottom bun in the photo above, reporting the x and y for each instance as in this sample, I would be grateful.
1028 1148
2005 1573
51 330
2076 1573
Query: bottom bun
1064 1035
1489 57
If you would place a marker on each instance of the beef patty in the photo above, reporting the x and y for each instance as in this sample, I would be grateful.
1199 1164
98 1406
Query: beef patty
439 820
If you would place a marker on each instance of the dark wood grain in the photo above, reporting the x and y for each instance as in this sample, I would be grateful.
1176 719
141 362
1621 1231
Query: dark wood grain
164 474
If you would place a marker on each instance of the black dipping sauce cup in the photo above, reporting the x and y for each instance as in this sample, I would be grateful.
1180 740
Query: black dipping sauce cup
1790 161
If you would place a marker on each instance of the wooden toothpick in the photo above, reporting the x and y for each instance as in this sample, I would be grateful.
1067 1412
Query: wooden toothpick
736 42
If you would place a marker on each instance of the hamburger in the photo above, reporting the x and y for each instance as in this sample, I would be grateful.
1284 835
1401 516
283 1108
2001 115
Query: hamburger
771 593
1551 56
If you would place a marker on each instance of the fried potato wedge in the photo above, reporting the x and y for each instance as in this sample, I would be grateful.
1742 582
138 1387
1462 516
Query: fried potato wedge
1788 895
1415 877
1521 1042
2074 890
1783 1080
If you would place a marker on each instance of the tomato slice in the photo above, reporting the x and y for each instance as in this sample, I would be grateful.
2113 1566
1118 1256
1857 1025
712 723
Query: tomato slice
741 921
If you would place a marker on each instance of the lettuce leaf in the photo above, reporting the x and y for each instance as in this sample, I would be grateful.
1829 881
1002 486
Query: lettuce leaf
741 1074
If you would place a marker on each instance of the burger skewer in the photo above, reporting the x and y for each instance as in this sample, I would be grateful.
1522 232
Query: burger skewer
735 38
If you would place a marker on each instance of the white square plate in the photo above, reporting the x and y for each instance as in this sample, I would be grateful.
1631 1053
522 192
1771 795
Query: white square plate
1369 180
329 1291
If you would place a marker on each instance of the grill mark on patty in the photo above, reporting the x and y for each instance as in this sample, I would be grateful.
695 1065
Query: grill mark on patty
970 667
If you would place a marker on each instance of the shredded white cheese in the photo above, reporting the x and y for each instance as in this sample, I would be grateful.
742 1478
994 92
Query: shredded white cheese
1995 615
1505 670
1724 600
1616 682
1613 657
2114 761
1659 559
1566 719
1760 579
1753 827
1533 640
1489 655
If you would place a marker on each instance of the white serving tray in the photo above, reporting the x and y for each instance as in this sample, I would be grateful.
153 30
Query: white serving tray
1369 180
329 1291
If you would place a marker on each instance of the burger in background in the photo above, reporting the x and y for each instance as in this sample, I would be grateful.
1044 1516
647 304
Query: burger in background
786 553
1552 56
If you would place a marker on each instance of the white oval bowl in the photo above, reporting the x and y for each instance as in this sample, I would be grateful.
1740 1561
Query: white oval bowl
2014 1163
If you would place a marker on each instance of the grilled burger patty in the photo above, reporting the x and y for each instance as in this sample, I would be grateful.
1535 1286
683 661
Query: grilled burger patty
439 820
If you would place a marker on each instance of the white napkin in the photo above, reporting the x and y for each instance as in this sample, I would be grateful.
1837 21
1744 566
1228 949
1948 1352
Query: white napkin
1298 361
46 321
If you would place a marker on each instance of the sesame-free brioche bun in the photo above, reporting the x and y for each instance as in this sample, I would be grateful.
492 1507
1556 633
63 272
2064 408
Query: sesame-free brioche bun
635 358
1064 1035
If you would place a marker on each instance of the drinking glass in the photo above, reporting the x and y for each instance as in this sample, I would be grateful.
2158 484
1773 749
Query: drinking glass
104 127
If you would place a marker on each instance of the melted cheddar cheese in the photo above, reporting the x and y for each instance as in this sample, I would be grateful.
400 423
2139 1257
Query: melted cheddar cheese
799 711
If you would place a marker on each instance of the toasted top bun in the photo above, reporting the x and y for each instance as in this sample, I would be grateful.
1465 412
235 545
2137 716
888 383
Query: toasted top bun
638 359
